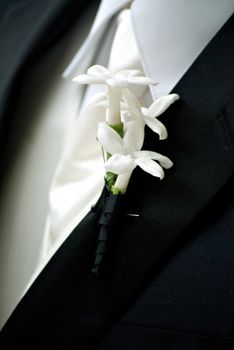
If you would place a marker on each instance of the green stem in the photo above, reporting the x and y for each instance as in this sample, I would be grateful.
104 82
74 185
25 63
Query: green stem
110 177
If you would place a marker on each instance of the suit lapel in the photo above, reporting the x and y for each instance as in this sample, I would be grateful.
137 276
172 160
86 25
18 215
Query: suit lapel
69 304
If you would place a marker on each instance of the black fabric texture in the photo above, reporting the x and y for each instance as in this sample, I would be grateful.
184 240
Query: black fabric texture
27 30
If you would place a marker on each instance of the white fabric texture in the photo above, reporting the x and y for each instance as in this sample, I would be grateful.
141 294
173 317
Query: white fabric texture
171 34
85 54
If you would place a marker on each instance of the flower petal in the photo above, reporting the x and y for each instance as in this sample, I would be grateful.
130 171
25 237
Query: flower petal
125 117
150 167
133 136
119 83
109 139
120 164
130 98
133 104
164 161
100 71
99 99
158 127
129 73
102 103
88 79
160 105
141 80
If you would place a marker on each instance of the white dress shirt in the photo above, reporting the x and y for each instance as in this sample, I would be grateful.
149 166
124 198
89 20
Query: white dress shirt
175 34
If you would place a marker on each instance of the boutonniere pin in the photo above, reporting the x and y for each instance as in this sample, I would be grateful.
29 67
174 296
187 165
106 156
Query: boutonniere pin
121 136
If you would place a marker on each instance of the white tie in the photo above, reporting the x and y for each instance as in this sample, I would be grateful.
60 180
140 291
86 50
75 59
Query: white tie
85 55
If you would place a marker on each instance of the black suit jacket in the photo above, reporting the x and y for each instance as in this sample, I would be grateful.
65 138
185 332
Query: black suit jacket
170 277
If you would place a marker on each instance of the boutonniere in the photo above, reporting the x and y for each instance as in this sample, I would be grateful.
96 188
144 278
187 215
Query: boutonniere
121 137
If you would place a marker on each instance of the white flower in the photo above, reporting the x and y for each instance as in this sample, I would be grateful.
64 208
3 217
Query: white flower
158 107
115 82
150 115
98 74
132 110
126 152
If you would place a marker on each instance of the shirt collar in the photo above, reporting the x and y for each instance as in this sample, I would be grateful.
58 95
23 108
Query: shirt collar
175 35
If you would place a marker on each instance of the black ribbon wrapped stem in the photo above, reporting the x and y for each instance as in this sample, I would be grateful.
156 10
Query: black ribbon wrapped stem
105 225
